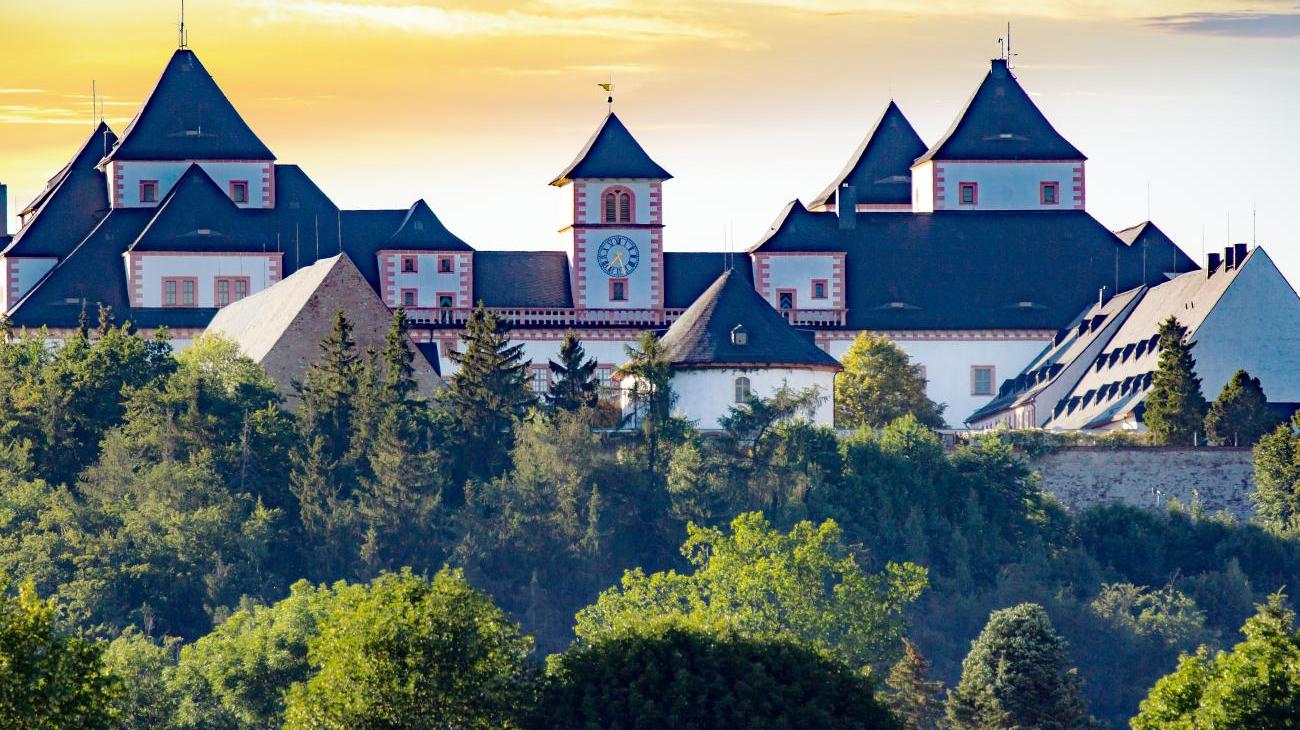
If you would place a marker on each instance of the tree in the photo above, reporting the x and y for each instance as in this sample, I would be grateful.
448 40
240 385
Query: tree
649 371
49 678
1017 675
489 394
800 586
1174 408
880 383
415 654
1255 686
1277 475
670 676
574 384
1240 415
141 663
916 700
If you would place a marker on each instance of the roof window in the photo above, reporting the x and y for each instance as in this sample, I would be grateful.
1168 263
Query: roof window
739 335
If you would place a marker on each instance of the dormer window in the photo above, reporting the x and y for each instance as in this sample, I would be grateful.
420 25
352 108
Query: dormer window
418 225
968 193
617 206
239 191
739 336
1050 193
148 191
409 265
444 264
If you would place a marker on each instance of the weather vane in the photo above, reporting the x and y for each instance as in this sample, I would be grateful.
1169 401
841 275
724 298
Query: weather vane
609 89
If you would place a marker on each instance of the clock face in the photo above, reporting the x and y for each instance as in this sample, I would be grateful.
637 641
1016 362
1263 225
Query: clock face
618 256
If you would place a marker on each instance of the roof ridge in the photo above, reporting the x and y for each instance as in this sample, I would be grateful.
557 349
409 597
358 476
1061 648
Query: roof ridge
612 152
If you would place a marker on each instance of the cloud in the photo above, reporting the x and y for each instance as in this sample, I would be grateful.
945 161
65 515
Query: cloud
22 91
1246 24
624 69
30 114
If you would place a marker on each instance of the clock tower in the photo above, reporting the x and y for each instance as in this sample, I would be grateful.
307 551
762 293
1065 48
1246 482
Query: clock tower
618 261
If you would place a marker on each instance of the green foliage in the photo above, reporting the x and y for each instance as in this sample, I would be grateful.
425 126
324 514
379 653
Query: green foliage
573 378
412 653
915 699
1017 675
1165 614
649 372
801 586
49 678
1255 686
879 384
1174 408
669 676
140 662
1240 415
1277 476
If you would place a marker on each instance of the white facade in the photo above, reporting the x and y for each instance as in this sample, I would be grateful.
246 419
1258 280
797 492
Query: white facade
998 185
597 287
20 275
429 277
125 180
148 272
705 395
795 277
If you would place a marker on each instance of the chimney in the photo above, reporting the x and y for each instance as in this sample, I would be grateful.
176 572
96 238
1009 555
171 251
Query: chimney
1240 251
846 203
1228 258
4 210
1212 262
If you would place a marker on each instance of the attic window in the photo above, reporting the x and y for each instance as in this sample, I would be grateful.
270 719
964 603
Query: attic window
148 191
968 193
204 232
417 225
739 336
239 191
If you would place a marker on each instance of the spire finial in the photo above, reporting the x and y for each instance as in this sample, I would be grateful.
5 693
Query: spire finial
182 41
609 89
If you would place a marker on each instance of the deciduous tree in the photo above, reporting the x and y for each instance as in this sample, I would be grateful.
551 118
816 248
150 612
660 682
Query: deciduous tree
880 383
1277 475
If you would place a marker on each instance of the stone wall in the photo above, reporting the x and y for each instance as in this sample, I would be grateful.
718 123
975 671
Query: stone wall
1219 478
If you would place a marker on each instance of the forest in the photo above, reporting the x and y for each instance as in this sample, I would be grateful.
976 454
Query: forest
182 548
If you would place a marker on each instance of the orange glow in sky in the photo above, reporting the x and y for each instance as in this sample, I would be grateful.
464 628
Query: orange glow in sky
475 106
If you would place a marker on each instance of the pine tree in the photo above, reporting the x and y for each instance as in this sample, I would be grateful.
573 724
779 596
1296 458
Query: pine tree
879 384
917 701
489 394
574 384
650 374
1277 475
1240 415
1017 675
1175 408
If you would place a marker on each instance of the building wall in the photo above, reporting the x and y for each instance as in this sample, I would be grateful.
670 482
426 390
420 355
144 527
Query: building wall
145 272
775 272
707 394
591 285
643 193
1009 185
923 191
20 275
124 179
427 281
607 346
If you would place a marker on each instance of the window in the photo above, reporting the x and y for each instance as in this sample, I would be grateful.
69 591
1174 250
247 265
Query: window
410 264
1049 193
239 191
409 298
446 301
617 206
230 289
541 379
605 377
624 208
739 336
618 290
819 289
148 191
742 389
981 380
180 291
968 193
785 302
444 265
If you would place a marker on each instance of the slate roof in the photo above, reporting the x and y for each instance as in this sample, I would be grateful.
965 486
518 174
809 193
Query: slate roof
701 337
522 279
880 169
612 152
197 215
72 203
964 269
1001 122
187 117
422 230
1161 253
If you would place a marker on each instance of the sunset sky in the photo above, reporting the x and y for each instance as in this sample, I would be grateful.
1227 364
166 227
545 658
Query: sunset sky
475 106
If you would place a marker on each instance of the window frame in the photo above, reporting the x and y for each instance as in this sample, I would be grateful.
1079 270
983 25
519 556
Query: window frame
151 185
248 191
627 293
612 205
826 289
180 282
539 375
1052 185
736 385
414 261
415 298
974 189
993 379
230 281
446 265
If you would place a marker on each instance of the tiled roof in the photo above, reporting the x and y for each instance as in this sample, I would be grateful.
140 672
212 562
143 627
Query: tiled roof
72 203
187 117
1001 122
1160 252
612 152
522 279
703 335
880 170
422 230
197 215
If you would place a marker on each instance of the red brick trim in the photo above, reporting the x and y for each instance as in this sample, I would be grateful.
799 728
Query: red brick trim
1080 187
466 280
415 263
12 294
979 335
763 275
657 202
937 186
974 193
657 269
838 284
248 193
415 297
616 190
826 290
268 185
388 276
230 290
135 265
119 183
1043 187
180 291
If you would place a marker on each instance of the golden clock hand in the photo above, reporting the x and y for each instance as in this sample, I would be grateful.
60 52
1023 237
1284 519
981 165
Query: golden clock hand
618 260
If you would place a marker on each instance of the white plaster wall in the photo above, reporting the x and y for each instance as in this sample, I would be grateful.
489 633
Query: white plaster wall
948 366
167 173
923 188
797 273
594 189
427 280
29 271
597 281
611 353
1009 186
707 394
257 268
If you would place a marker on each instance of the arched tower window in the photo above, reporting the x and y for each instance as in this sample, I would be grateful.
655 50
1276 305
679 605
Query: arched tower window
617 205
742 389
624 208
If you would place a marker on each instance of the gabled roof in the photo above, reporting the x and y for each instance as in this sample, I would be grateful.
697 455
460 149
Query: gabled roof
70 206
522 279
881 168
196 215
612 152
422 230
1001 122
1161 253
187 117
702 336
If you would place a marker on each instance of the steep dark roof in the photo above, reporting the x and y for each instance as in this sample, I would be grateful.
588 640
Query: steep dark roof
688 274
422 230
881 168
197 215
522 279
612 152
187 117
965 270
1001 122
702 336
72 203
1162 254
365 233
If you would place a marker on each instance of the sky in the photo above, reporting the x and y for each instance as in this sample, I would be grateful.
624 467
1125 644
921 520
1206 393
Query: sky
1185 108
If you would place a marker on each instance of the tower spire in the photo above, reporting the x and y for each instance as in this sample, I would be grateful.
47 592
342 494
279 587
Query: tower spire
609 89
182 41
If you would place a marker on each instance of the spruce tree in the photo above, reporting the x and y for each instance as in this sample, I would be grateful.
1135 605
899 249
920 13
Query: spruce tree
489 394
1277 476
1017 675
1175 408
650 373
574 384
916 700
1240 415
